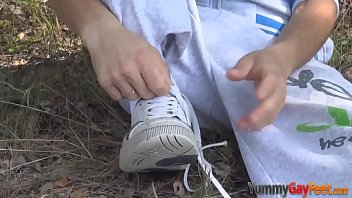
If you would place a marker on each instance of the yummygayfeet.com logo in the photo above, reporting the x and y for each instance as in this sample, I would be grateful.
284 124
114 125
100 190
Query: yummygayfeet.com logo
296 189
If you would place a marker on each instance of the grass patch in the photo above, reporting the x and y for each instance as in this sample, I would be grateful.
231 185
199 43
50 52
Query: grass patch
32 31
342 36
55 124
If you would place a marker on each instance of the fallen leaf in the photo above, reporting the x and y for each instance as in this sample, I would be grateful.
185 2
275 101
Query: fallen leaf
81 105
12 7
64 181
114 164
38 167
19 62
45 103
178 189
222 169
63 145
128 192
94 127
80 193
5 164
17 11
21 35
103 140
18 160
44 189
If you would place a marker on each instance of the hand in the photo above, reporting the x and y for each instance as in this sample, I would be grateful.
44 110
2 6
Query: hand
126 65
269 70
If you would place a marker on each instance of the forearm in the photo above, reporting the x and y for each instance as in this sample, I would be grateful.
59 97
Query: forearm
308 29
83 16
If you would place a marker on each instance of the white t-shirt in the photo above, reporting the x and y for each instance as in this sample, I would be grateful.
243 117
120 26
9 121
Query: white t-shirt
270 16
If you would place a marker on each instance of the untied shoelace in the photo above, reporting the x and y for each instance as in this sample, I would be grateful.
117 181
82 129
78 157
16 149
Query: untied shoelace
206 166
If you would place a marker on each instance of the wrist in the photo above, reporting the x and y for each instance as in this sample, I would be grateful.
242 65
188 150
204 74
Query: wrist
92 31
286 55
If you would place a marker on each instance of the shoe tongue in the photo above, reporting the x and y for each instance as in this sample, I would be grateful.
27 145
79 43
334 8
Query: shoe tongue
133 104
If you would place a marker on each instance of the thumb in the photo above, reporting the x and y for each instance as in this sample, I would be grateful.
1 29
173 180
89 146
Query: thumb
241 69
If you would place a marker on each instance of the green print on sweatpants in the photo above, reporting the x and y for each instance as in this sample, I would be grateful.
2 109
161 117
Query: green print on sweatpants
340 117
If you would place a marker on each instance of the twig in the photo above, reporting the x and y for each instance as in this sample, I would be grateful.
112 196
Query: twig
138 183
42 111
79 140
12 87
25 164
154 191
44 158
25 150
40 140
12 132
100 162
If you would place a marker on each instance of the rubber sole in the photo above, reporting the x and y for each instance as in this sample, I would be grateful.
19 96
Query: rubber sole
158 144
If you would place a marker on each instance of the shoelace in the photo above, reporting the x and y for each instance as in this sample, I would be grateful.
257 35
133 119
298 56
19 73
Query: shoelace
157 108
206 166
162 106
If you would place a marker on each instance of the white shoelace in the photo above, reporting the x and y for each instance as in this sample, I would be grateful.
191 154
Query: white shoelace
206 166
157 108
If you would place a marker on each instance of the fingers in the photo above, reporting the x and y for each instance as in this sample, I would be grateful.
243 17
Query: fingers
129 67
266 87
242 69
117 87
131 79
106 84
268 109
146 77
113 92
128 91
156 74
270 90
258 118
141 87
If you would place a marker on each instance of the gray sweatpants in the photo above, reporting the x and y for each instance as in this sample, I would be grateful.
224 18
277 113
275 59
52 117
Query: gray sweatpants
311 139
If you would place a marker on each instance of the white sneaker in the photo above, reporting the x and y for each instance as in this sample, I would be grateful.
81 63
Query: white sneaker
162 135
165 135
